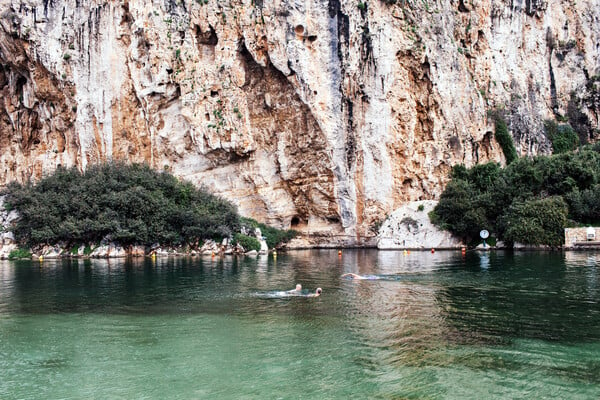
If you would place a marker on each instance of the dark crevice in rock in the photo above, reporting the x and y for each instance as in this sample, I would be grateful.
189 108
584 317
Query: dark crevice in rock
220 157
350 145
282 124
534 7
342 27
208 38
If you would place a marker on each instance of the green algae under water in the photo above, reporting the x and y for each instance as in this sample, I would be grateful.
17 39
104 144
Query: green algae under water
443 326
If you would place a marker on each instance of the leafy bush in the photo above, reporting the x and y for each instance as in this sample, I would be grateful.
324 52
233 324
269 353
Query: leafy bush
274 237
124 203
459 211
536 221
584 205
562 136
247 242
505 140
489 197
19 253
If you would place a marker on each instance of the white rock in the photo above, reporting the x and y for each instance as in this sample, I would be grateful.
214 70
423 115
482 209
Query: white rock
100 251
51 252
6 249
116 251
7 237
410 228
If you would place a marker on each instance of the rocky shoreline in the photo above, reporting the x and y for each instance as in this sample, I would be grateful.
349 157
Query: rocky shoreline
114 250
109 249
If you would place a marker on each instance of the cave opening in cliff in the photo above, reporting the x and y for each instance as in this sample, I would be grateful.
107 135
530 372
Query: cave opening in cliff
21 81
295 221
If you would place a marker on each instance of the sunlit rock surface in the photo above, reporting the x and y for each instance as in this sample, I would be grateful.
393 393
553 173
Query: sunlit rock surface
322 116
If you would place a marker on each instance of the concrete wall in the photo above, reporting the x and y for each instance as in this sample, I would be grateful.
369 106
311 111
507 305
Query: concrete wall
573 235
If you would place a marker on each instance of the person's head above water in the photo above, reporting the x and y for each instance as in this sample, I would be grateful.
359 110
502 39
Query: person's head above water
298 287
319 290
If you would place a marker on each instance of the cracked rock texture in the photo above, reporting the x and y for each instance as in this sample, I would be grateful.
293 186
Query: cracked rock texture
323 116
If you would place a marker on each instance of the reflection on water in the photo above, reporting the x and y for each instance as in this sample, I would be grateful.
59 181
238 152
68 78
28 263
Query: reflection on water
480 325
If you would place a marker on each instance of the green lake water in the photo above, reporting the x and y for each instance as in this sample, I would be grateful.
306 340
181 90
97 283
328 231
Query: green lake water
502 325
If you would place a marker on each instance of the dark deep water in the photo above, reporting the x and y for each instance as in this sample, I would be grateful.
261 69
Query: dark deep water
442 326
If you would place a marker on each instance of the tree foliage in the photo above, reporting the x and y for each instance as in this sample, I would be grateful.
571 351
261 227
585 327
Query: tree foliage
124 203
562 136
536 221
505 141
530 201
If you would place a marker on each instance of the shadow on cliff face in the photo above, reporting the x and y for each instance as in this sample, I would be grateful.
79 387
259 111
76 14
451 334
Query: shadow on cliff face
36 113
285 127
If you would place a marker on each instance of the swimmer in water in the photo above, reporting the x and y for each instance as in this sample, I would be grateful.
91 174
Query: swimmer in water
296 290
350 275
317 293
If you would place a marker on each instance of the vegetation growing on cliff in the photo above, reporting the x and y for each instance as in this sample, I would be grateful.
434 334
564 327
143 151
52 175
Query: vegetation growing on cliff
123 203
505 140
562 136
530 201
273 236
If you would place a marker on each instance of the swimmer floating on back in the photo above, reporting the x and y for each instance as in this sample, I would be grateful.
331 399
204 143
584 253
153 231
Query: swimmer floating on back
297 292
350 275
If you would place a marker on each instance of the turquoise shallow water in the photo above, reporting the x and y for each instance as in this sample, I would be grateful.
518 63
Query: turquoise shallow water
442 326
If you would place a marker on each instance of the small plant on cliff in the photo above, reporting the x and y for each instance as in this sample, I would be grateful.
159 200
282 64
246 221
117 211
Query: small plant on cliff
562 136
66 56
505 140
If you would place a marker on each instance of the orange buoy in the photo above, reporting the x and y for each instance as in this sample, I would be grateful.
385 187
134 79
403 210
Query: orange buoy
339 252
433 250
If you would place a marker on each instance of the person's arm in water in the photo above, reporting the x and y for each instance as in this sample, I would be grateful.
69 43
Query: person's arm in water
317 293
350 275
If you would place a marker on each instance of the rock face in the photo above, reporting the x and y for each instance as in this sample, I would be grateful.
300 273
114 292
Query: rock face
322 116
409 228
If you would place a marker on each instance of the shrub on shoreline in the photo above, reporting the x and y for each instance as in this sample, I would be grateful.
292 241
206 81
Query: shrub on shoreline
530 201
247 242
19 253
127 204
273 236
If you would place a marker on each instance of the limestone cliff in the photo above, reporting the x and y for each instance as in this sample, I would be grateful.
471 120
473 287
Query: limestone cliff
319 115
